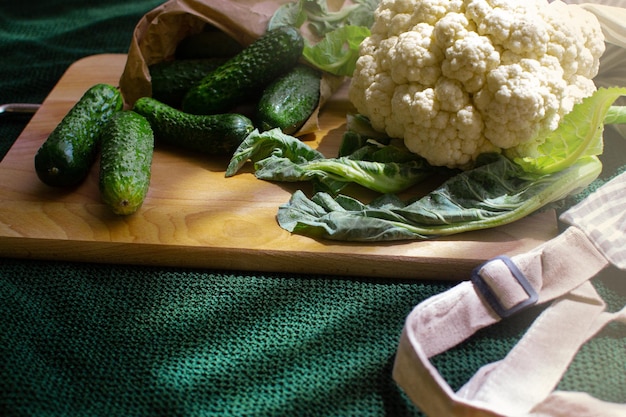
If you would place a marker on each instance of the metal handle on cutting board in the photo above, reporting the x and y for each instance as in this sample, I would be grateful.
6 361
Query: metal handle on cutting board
19 108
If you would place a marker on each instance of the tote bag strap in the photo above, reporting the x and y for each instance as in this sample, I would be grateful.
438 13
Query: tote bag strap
523 382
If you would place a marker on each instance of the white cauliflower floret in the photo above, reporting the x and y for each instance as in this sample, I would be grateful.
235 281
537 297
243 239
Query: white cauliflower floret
469 60
414 58
442 119
457 78
519 100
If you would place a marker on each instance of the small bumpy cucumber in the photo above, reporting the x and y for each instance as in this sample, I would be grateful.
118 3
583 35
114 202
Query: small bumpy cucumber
172 79
125 162
245 75
215 134
289 100
67 155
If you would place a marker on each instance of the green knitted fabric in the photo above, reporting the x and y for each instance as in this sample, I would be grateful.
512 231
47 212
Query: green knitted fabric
106 340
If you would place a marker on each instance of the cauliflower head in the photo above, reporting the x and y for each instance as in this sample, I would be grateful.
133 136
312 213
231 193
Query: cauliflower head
457 78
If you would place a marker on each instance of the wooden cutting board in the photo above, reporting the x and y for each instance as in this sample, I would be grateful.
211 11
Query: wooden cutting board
194 217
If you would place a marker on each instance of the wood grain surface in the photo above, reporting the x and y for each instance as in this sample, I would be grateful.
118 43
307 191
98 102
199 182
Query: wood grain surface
194 217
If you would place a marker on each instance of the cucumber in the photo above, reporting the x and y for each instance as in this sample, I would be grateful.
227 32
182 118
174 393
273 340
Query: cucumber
244 76
215 134
67 155
289 100
208 44
125 162
172 79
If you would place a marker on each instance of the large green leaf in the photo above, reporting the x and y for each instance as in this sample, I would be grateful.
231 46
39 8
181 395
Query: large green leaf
490 195
280 157
579 134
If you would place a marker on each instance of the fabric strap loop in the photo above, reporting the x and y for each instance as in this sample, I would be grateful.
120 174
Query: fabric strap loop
559 271
527 298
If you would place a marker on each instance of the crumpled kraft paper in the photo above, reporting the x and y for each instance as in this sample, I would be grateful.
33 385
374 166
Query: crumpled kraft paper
159 31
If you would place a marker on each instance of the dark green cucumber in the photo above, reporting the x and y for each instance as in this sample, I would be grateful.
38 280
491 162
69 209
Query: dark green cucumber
126 162
172 79
208 44
215 134
289 101
67 155
244 76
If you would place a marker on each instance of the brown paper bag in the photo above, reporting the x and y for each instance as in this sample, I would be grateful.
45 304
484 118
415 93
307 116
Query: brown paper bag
159 31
